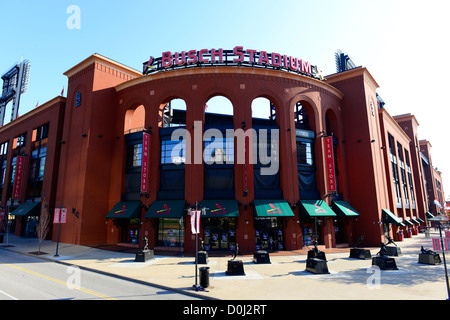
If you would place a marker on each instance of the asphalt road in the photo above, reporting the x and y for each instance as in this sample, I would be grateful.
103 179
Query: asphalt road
25 277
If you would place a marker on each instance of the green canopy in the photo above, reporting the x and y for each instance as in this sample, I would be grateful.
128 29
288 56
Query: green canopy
420 220
408 222
429 215
166 209
389 217
273 208
315 208
125 210
220 208
342 208
27 209
415 221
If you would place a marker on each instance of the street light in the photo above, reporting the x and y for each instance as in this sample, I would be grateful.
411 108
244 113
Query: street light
439 219
197 207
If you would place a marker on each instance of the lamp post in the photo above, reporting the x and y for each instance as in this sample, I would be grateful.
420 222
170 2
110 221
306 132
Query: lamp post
196 208
439 219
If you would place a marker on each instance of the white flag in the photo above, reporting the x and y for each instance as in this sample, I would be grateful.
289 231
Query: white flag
195 221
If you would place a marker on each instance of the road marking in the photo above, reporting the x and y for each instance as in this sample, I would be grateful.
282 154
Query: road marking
68 285
8 295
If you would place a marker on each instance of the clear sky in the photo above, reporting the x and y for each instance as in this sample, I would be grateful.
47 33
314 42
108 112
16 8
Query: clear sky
402 43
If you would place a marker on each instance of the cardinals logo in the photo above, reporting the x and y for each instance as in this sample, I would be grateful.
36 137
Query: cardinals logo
166 210
149 65
274 209
219 210
121 211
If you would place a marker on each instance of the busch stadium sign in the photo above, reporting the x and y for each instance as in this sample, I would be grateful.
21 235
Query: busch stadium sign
236 57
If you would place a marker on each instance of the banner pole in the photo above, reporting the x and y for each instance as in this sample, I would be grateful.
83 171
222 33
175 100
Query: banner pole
59 228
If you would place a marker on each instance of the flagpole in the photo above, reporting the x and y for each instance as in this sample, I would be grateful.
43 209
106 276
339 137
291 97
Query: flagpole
59 228
445 264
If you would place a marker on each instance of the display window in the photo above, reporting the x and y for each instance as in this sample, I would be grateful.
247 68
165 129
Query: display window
219 234
170 233
269 233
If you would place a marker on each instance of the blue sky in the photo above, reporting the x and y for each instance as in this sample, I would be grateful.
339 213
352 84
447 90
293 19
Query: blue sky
402 43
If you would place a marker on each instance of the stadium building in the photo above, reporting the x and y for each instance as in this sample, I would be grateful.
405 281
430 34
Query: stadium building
129 154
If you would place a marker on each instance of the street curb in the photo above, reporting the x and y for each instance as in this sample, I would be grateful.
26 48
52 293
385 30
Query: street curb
185 292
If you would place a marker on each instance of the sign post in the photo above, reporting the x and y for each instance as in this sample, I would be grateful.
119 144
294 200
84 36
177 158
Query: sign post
195 229
59 218
440 219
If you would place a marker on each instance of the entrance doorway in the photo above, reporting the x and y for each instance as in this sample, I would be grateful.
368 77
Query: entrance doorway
129 230
339 230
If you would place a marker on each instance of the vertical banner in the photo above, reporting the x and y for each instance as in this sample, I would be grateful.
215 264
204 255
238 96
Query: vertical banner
17 188
56 216
195 221
331 173
144 164
63 215
436 244
60 215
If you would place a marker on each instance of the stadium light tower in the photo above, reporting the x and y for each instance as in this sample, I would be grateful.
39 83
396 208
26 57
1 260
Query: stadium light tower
15 82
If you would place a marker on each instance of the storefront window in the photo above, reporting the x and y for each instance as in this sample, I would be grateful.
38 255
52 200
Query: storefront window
269 233
220 233
311 231
304 153
170 233
134 155
173 152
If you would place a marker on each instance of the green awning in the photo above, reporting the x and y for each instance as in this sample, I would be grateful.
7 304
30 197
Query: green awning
220 208
315 208
27 209
408 222
273 208
420 220
166 209
343 208
389 217
429 215
125 210
415 221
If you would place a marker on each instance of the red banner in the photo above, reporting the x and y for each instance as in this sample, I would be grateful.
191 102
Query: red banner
144 165
17 188
60 215
331 173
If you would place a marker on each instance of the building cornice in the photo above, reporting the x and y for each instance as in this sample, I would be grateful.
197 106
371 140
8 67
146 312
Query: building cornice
32 113
97 58
239 71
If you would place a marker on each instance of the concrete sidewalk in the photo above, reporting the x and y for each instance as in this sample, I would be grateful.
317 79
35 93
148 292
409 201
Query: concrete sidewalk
284 279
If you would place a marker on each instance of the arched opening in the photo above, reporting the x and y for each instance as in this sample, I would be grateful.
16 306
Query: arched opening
269 230
266 150
173 114
134 120
173 149
218 149
305 137
134 125
219 184
218 111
